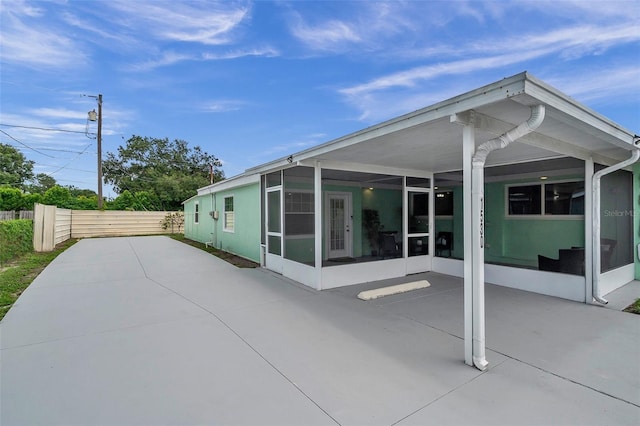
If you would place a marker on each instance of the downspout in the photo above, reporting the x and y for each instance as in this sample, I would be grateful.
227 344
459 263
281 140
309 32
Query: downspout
596 249
477 211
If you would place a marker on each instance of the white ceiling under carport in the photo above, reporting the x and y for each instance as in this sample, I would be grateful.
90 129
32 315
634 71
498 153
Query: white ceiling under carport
428 140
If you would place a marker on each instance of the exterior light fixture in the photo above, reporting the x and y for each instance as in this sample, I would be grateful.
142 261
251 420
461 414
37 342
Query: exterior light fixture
544 177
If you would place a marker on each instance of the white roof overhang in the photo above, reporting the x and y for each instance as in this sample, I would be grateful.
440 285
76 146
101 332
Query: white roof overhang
233 182
430 139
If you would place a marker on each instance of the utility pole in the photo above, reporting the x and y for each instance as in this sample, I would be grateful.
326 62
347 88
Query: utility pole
100 152
92 117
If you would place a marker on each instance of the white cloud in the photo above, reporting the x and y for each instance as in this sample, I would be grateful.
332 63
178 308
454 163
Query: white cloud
567 44
601 85
168 58
196 22
365 27
226 105
268 52
28 38
330 35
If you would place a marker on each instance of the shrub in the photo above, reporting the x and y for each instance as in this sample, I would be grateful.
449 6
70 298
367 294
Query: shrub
173 221
16 238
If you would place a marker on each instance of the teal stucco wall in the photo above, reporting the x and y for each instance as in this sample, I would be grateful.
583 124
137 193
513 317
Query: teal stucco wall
513 240
245 239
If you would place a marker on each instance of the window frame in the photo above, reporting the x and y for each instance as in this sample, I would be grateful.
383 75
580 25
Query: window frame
196 213
542 215
290 236
224 214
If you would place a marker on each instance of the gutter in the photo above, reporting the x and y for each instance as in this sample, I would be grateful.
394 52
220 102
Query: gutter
477 211
595 193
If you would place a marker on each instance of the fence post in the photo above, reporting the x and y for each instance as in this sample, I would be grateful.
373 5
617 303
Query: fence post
38 223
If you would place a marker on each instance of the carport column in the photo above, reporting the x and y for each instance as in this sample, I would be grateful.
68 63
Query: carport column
468 148
317 202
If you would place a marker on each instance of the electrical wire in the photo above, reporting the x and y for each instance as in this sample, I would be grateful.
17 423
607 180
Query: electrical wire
43 128
71 161
24 144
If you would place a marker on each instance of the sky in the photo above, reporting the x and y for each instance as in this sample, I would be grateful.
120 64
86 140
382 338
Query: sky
251 82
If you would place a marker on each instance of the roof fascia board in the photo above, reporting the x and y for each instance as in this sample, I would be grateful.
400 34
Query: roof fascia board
485 95
618 136
189 199
234 182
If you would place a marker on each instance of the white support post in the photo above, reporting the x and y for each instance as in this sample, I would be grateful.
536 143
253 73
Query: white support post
317 202
477 248
468 148
588 229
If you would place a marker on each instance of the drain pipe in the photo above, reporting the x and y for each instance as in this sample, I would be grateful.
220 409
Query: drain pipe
477 212
596 248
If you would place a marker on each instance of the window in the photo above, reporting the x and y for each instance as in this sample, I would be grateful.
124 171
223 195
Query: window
197 213
564 198
444 203
229 219
299 213
560 199
524 200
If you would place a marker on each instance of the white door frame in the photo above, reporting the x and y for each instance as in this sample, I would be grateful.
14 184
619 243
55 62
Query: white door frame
421 263
274 261
348 231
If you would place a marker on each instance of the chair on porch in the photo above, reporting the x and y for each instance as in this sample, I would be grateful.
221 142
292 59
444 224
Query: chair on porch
549 264
444 242
388 245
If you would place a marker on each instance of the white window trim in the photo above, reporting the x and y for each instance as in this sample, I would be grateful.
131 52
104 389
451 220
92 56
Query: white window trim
224 214
542 215
297 236
196 213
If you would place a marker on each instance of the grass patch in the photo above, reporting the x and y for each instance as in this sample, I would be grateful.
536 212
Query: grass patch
235 260
16 276
634 308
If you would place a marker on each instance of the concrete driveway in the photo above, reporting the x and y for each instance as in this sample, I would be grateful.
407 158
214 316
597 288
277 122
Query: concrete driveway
146 331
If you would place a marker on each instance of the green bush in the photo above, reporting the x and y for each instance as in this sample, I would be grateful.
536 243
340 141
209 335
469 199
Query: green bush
16 238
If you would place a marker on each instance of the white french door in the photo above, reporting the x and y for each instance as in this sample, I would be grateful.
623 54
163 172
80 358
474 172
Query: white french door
338 224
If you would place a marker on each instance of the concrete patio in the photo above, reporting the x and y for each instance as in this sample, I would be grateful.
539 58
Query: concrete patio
146 331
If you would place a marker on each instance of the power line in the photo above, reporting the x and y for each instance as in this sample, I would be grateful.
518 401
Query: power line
22 143
68 168
71 161
64 150
44 128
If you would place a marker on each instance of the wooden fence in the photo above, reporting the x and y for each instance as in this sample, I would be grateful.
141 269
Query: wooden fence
52 225
11 214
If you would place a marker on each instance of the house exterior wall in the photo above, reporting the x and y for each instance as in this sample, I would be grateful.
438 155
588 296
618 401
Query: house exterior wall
388 204
514 240
245 238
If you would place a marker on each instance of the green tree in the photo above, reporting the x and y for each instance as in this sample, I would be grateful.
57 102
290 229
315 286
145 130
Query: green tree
168 171
77 192
10 199
82 202
124 201
40 183
28 200
58 196
15 169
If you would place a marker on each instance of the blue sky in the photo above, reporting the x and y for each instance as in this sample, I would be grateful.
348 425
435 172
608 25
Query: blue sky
254 81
